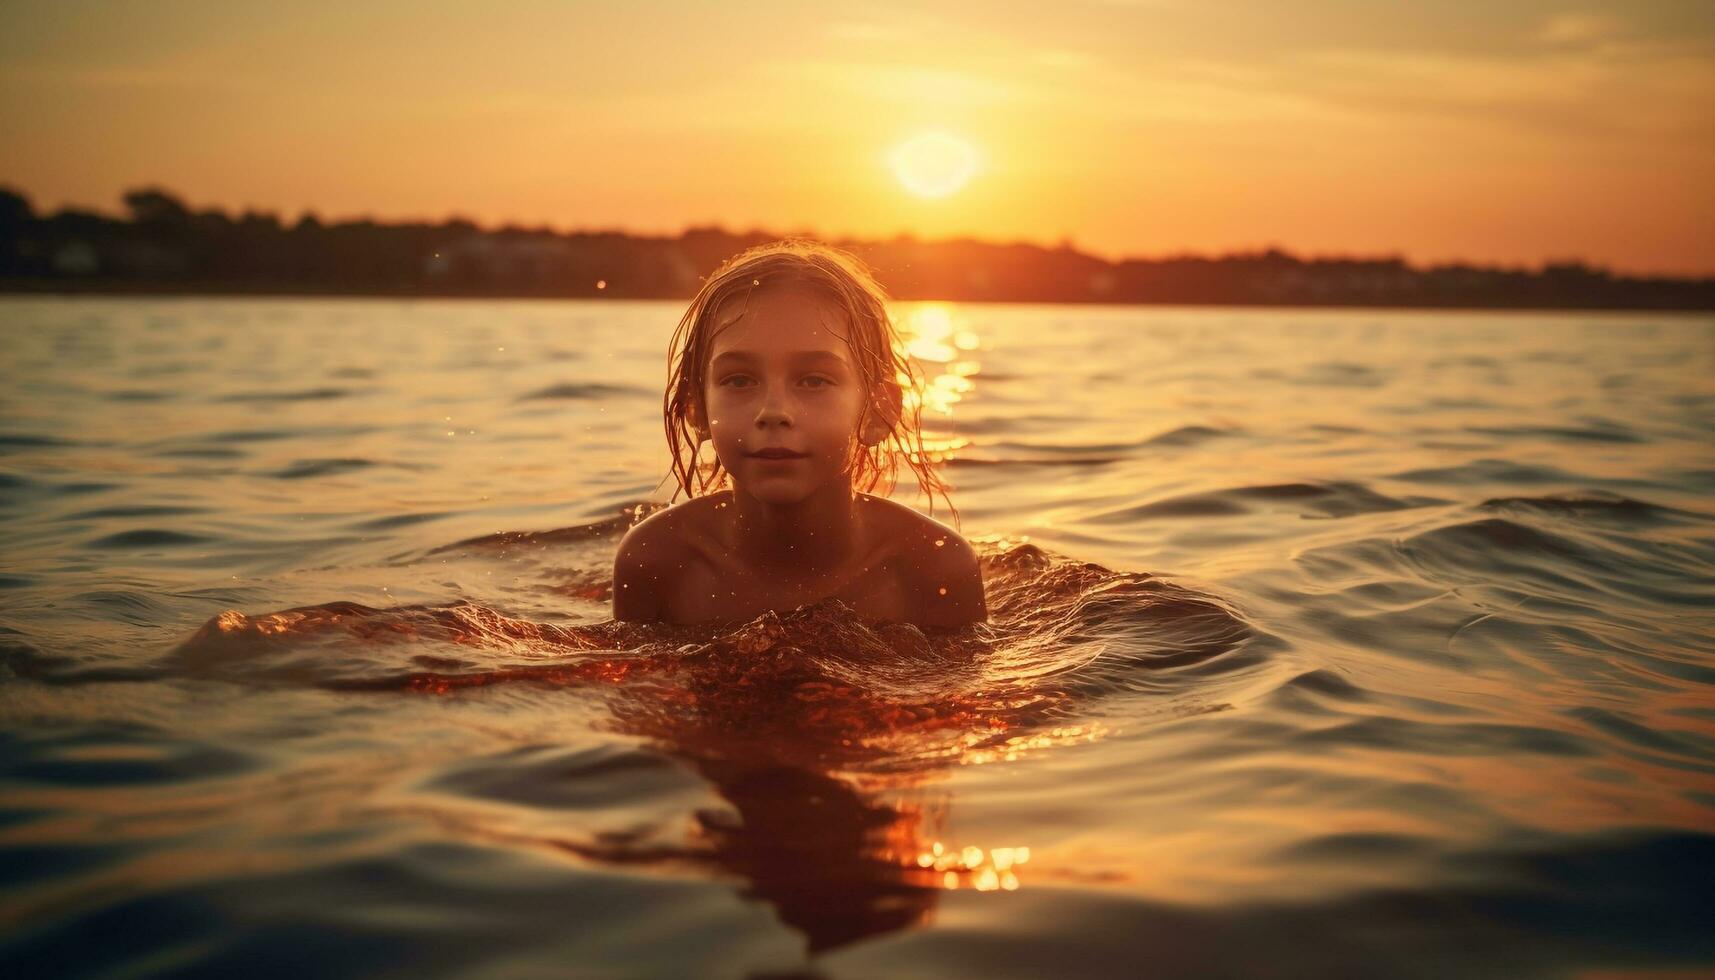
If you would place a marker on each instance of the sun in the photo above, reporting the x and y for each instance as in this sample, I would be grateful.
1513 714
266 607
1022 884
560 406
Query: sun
934 164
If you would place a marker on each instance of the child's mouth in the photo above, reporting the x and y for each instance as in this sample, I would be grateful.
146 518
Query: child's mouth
777 454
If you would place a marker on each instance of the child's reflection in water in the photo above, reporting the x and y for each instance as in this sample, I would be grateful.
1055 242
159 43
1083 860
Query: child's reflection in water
836 863
833 861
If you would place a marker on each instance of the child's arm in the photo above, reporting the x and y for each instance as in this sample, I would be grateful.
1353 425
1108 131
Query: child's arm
640 573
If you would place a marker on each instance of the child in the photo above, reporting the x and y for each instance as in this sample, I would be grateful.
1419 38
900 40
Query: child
788 364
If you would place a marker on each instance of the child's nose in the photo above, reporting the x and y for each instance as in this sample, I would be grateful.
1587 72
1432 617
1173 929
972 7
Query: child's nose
774 409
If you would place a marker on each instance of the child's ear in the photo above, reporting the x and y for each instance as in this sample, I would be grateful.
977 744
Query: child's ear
887 405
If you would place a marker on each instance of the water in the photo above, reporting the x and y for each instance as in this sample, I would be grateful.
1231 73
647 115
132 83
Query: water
1323 642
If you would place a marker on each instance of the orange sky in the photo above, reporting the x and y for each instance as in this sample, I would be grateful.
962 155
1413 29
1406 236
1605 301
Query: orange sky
1438 130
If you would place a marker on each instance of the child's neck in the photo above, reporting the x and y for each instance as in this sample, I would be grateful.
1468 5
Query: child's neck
817 533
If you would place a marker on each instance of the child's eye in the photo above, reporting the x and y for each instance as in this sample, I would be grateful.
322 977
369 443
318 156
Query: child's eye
738 381
817 381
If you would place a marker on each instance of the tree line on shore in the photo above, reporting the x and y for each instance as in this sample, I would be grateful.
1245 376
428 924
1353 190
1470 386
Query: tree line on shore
163 246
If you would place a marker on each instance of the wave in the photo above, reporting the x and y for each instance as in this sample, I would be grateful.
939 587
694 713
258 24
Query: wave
400 520
139 395
1184 435
303 469
1334 374
275 435
509 540
299 395
1016 453
1565 562
122 605
139 510
1596 505
1325 500
18 440
1074 461
104 755
1060 631
201 452
585 390
148 538
1485 471
1605 433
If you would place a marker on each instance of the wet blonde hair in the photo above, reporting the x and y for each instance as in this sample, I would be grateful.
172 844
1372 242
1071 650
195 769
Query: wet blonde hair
848 287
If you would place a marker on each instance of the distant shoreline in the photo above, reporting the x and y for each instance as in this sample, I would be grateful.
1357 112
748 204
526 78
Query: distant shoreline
163 248
124 289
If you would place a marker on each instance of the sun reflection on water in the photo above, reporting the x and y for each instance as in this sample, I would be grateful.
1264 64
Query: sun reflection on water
936 337
972 867
927 330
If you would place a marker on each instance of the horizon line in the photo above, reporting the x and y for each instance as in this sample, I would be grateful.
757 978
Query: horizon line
1066 242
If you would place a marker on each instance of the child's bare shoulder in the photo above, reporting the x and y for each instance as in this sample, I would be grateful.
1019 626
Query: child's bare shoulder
907 528
654 552
938 567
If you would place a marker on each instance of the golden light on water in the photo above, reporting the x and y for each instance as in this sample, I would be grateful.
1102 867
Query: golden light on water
928 328
1017 746
934 164
970 867
935 336
945 348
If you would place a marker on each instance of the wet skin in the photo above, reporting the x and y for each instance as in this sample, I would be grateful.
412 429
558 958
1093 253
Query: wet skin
784 400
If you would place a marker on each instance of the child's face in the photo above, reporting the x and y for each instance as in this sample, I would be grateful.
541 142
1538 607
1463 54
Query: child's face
783 395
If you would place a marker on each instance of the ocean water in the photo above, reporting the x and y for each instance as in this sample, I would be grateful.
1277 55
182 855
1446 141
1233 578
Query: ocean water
1323 643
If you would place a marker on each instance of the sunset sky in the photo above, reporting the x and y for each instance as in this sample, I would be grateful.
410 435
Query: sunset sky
1516 132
